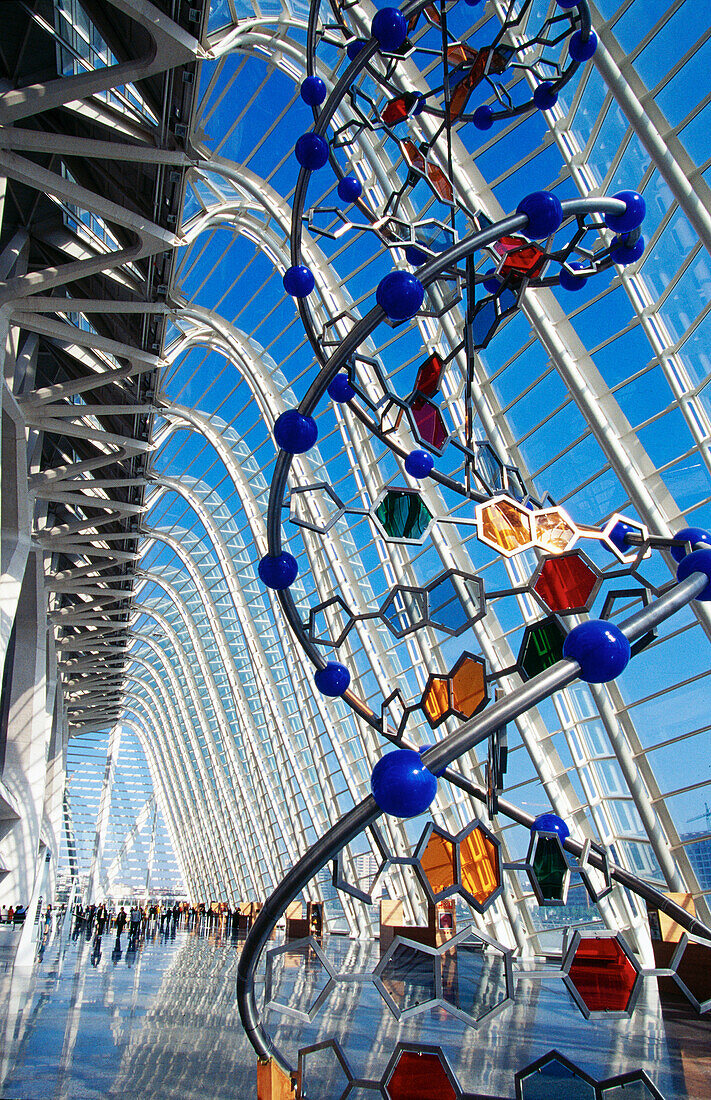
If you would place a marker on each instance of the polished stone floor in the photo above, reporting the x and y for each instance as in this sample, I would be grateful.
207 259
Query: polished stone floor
161 1021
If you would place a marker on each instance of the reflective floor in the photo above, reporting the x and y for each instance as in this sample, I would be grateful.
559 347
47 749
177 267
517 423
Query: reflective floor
161 1021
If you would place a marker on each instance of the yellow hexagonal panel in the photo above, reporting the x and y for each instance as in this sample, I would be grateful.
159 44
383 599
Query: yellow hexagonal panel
435 701
479 858
505 525
438 863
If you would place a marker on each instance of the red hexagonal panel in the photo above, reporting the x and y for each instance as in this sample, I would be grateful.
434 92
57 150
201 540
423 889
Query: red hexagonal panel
566 583
603 975
419 1077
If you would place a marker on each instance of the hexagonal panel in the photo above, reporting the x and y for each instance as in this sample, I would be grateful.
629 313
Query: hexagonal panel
480 868
691 961
504 525
467 682
640 1088
542 646
404 610
554 1077
435 700
553 530
420 1076
520 257
612 522
456 601
601 974
475 983
403 516
439 863
489 467
429 376
428 423
406 978
566 584
330 622
549 868
323 1071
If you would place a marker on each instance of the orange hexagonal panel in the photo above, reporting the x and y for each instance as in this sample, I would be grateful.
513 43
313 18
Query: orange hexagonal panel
554 530
468 685
479 858
435 701
439 863
505 525
419 1076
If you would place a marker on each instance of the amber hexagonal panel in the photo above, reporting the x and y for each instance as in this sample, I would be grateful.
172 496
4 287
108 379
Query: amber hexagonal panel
419 1076
439 863
566 584
435 701
480 872
602 976
504 525
468 686
554 530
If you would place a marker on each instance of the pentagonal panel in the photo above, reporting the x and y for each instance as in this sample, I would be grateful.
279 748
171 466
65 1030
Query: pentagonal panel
323 1071
330 622
298 979
316 507
504 525
405 610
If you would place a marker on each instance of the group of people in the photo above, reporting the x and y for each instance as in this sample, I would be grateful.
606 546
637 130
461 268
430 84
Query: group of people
14 915
142 921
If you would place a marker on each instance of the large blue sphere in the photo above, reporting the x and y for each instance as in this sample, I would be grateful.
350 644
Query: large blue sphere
551 823
298 281
278 571
313 91
483 117
340 389
697 562
416 256
333 679
402 785
569 281
692 535
419 464
349 189
633 215
600 648
582 51
623 253
311 150
389 26
400 294
544 97
294 432
544 213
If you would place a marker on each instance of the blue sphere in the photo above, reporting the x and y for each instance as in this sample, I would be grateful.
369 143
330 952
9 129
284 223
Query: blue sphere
568 281
473 3
623 253
633 215
692 535
311 151
618 533
544 97
699 561
483 117
354 47
582 51
419 106
294 432
419 464
415 255
491 283
567 3
349 189
600 648
544 213
313 91
298 281
551 823
333 679
400 294
278 571
340 389
402 785
389 26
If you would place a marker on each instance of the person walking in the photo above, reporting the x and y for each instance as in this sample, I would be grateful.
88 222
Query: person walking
120 925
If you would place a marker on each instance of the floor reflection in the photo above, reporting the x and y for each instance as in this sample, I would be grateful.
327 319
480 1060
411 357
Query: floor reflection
159 1020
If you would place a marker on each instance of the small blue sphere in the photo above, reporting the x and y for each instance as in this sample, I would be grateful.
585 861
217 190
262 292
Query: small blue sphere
483 117
349 189
692 535
419 464
551 823
633 215
623 253
419 106
568 3
415 255
600 648
389 26
617 535
400 294
544 213
278 571
491 283
699 561
313 91
544 97
311 151
298 281
402 785
340 389
473 3
354 47
582 51
294 432
333 679
568 281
